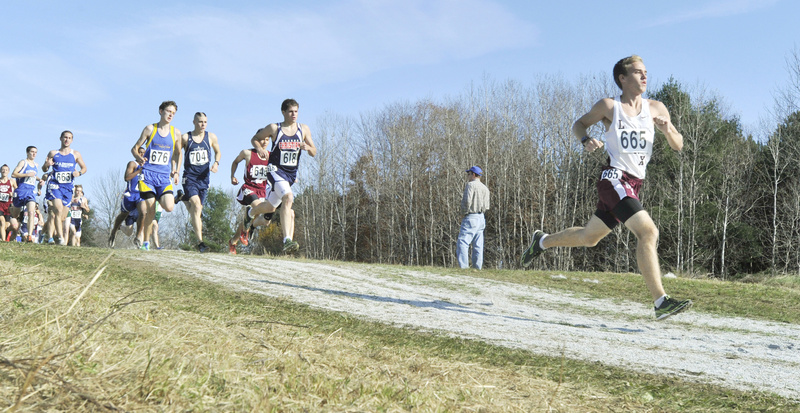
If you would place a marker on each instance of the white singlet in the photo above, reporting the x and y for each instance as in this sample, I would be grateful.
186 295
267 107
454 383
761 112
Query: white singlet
629 139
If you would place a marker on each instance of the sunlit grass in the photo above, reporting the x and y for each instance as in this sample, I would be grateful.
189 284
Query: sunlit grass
147 338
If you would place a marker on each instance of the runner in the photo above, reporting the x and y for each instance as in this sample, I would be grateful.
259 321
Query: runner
128 211
7 186
253 190
26 173
197 145
30 233
289 139
630 122
161 164
78 207
63 161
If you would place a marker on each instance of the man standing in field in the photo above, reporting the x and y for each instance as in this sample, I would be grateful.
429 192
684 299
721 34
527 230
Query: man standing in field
474 203
289 139
61 186
197 146
630 122
161 168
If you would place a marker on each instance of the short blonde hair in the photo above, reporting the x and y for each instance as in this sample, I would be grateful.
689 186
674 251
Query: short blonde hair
623 67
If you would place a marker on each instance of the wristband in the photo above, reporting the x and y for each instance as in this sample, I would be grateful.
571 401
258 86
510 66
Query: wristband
584 139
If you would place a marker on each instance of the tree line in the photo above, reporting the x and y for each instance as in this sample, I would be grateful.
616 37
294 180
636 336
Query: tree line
385 186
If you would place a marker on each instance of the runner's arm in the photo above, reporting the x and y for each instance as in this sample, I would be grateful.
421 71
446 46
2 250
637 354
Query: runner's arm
308 143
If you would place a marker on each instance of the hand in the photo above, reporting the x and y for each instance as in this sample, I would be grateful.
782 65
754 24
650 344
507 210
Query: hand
662 122
234 181
214 166
262 153
592 144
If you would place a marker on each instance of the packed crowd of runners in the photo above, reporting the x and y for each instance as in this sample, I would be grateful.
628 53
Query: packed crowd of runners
159 156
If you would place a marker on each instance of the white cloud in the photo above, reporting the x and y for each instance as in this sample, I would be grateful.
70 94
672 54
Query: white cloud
272 49
714 9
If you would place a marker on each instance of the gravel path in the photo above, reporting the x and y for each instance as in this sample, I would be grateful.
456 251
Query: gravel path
735 352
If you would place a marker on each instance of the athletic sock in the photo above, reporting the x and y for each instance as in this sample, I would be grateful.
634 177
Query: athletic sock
541 240
660 300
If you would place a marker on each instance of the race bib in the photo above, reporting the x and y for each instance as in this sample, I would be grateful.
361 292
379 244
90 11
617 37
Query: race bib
159 157
633 142
289 158
261 172
198 157
611 174
75 213
63 177
5 197
31 180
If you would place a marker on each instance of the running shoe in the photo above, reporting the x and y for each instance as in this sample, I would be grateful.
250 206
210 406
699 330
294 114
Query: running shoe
533 251
179 196
202 247
671 306
137 243
145 246
111 241
51 241
290 246
244 236
232 248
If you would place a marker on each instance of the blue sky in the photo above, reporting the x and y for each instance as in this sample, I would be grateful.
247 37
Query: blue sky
100 69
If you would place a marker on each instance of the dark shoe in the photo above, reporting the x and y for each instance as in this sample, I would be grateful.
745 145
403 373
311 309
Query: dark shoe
671 306
179 196
290 246
533 251
202 247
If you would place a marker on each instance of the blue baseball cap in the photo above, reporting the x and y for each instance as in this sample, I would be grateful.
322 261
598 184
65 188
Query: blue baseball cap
476 170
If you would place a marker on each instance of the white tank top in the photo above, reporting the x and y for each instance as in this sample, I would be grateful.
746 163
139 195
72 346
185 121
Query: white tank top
629 139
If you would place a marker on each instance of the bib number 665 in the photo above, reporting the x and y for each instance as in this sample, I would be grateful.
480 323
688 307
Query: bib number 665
611 174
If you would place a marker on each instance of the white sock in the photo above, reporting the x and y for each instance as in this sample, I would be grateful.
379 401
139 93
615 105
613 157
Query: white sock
660 300
250 213
286 239
541 242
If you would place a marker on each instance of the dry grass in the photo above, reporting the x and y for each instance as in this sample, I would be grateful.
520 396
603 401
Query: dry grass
69 343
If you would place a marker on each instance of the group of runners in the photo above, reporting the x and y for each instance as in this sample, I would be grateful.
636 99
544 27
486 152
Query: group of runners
160 151
270 170
22 219
271 167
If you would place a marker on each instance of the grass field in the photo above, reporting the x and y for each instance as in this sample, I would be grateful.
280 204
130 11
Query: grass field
73 338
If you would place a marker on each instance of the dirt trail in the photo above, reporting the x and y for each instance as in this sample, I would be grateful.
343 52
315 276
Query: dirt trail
735 352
